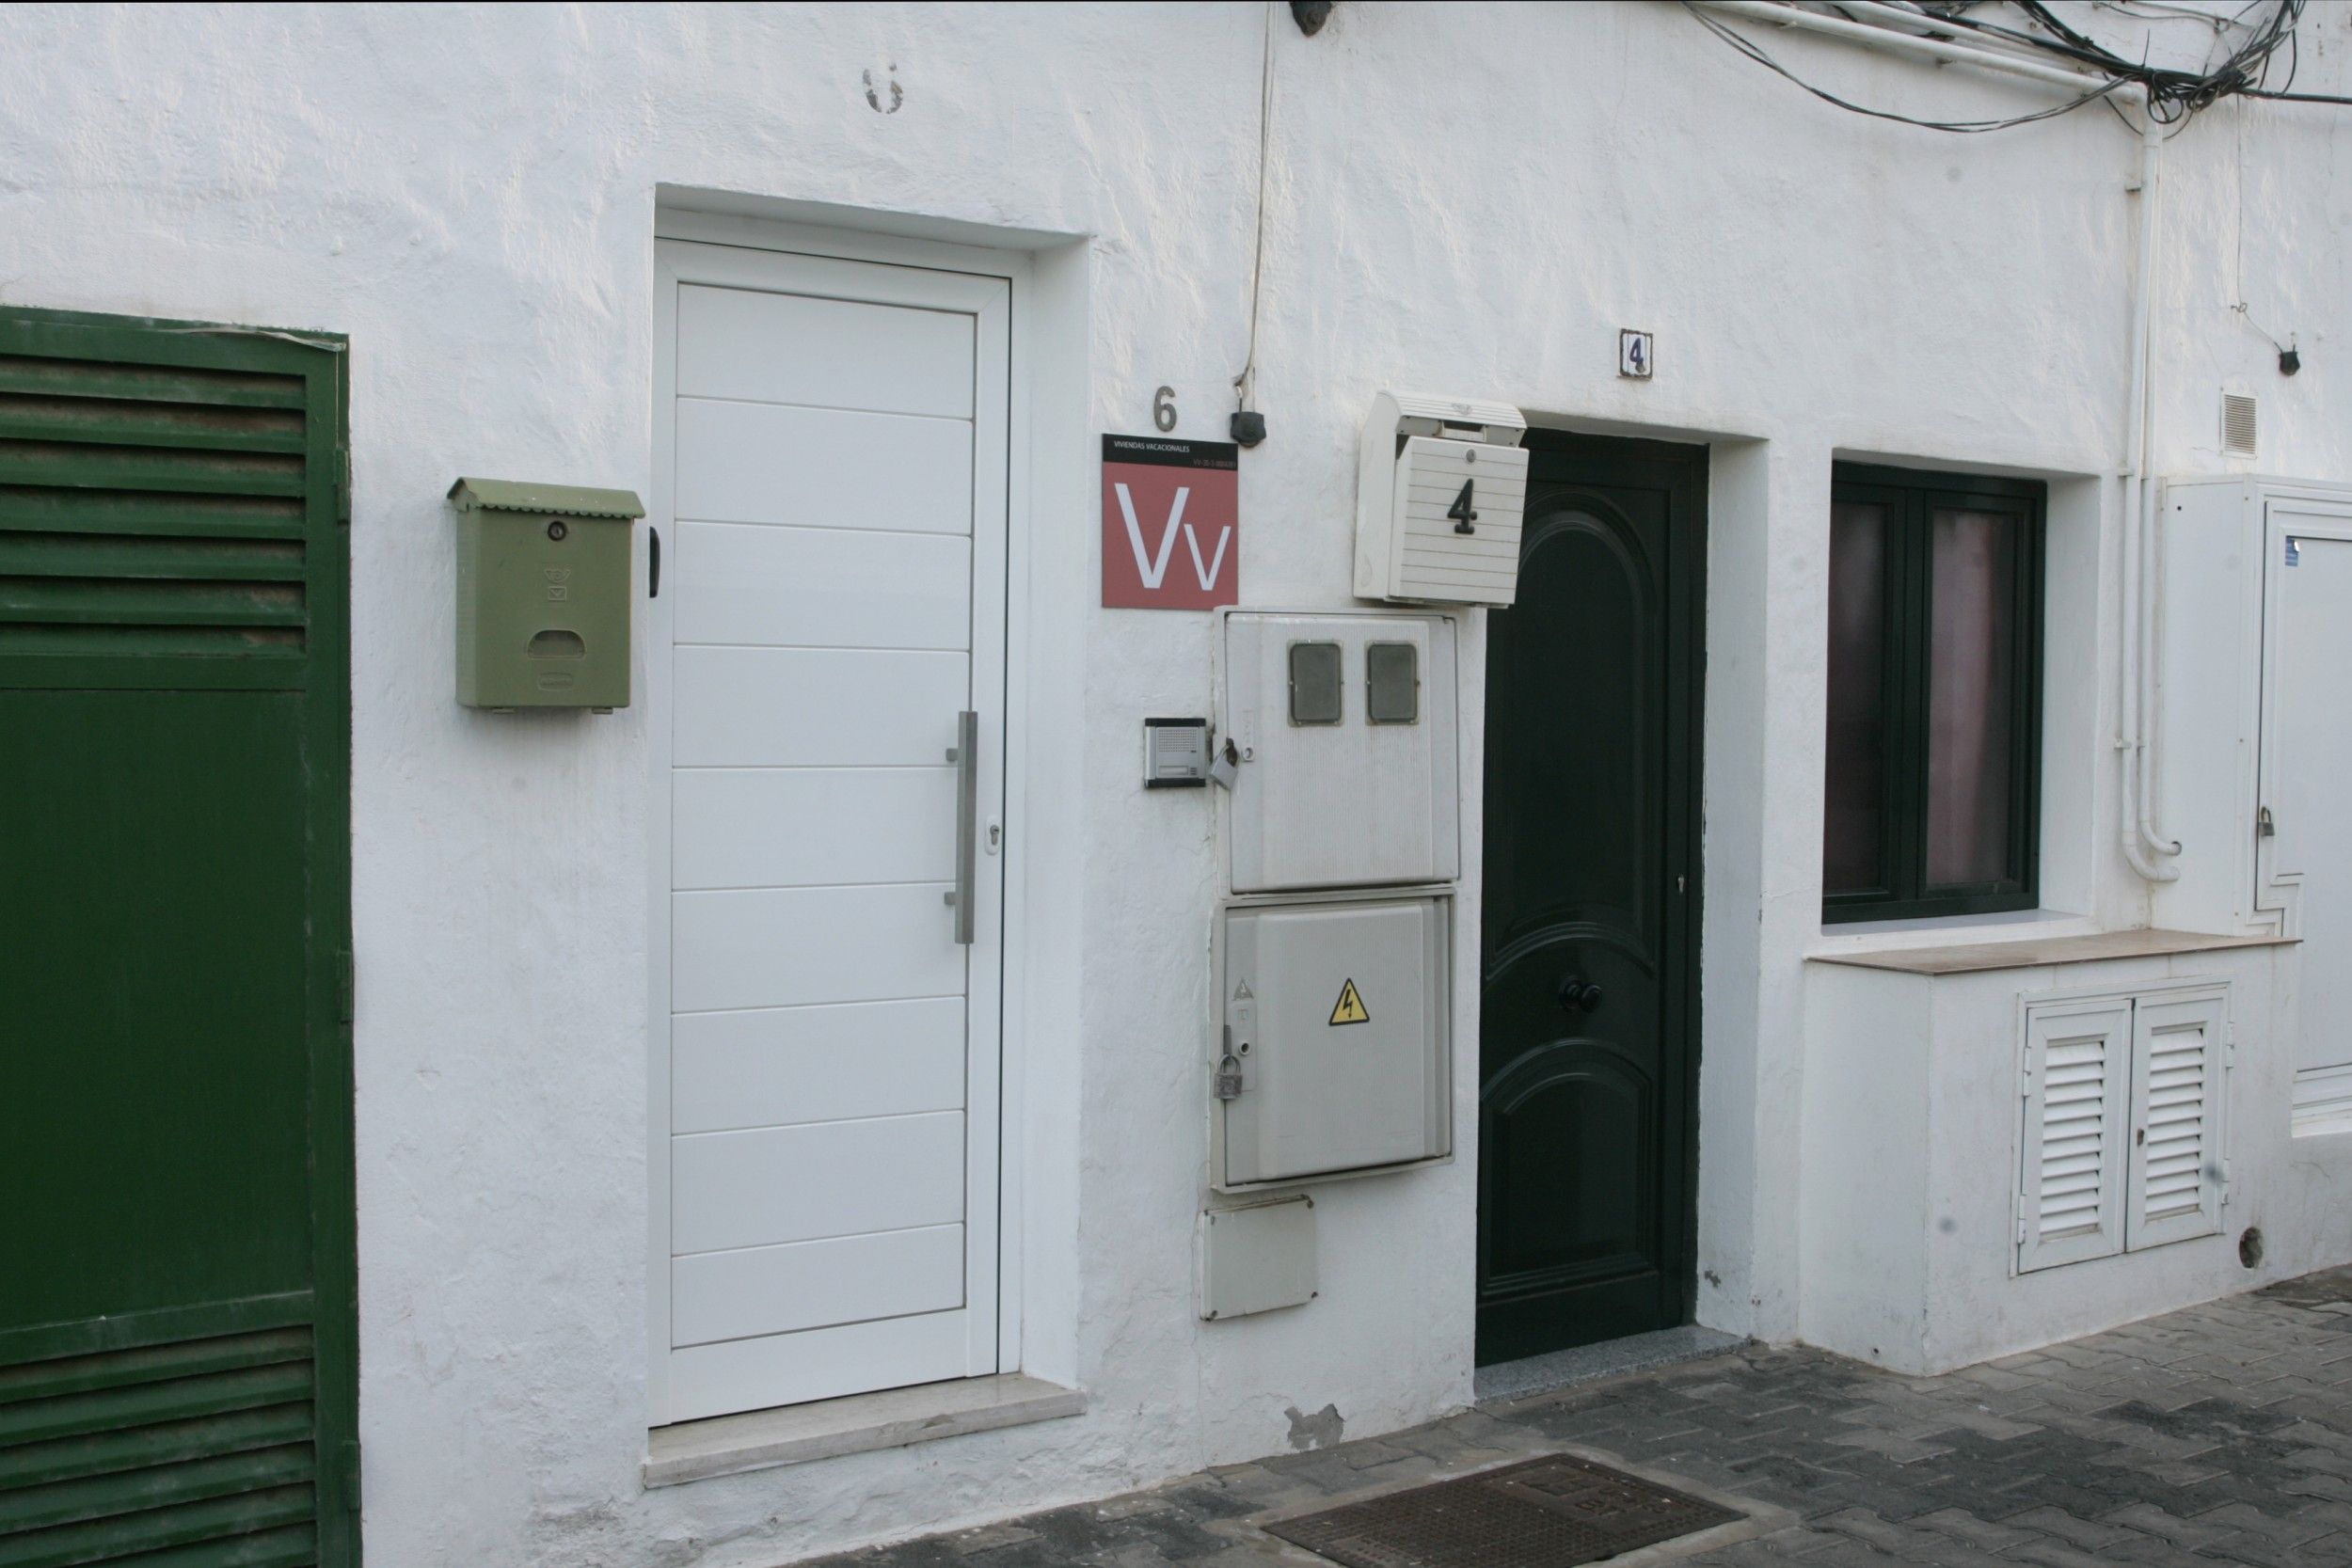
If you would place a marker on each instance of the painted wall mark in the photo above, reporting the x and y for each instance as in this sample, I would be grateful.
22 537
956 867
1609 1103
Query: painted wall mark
1318 1430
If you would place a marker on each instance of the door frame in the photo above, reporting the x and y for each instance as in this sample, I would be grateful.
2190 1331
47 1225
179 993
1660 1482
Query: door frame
753 239
1688 542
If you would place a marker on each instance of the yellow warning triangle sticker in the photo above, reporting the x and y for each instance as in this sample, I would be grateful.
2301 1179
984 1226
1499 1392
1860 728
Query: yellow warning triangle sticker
1349 1009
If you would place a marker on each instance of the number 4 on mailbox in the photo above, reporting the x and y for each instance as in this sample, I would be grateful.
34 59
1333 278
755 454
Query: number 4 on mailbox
1464 516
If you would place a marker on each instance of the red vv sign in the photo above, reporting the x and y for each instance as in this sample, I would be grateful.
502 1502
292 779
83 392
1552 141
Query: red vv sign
1171 523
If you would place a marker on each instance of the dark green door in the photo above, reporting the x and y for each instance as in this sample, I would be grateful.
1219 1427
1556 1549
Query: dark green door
178 1332
1588 988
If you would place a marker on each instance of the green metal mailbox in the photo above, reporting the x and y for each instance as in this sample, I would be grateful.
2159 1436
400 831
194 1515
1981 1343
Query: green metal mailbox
543 594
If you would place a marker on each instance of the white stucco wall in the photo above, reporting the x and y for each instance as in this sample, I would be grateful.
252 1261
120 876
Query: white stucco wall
1466 199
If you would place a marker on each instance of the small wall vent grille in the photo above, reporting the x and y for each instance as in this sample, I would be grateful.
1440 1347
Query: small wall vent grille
2237 425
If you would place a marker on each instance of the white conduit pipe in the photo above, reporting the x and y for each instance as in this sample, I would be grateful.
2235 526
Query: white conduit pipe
2132 694
2135 687
2140 589
1908 44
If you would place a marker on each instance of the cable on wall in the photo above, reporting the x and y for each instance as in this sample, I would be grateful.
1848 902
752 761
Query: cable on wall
1247 425
2172 97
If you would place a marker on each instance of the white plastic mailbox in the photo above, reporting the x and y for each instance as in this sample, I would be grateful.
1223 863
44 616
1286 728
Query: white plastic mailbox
1442 485
1345 724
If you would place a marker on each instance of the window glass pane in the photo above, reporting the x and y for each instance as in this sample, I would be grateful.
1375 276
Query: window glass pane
1970 721
1392 683
1850 823
1314 682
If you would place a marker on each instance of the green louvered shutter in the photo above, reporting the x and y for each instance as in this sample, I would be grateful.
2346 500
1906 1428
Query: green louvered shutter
177 1333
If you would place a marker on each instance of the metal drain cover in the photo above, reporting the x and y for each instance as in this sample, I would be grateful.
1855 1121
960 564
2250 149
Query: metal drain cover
1552 1513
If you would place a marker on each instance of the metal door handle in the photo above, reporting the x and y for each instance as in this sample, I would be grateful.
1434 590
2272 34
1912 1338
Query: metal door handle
965 755
1577 993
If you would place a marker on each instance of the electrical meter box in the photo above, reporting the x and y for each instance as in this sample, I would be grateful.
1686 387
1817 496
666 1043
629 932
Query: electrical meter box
1342 727
1334 1052
543 594
1440 488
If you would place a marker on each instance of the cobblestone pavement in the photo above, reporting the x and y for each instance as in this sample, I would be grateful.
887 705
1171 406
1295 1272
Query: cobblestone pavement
2222 1434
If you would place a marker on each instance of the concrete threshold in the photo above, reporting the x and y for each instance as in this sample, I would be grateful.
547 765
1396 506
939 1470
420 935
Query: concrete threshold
763 1439
1506 1381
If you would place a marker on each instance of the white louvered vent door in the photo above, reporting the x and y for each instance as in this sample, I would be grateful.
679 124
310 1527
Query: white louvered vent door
2177 1173
2076 1101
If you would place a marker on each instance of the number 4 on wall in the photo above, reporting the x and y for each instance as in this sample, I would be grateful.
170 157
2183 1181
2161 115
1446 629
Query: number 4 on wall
1634 353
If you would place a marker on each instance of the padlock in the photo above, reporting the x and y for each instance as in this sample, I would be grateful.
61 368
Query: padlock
1229 1077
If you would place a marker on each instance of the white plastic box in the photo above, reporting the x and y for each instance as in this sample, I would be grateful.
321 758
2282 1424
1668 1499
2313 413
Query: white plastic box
1352 782
1441 489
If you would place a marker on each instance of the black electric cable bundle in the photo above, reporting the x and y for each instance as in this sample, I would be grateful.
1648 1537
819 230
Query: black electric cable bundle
2172 96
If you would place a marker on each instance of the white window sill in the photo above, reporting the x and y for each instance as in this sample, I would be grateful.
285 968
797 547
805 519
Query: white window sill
795 1434
2040 947
1878 936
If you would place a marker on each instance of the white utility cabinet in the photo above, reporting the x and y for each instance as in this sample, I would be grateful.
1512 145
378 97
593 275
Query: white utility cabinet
1335 1049
2252 746
1441 485
1343 725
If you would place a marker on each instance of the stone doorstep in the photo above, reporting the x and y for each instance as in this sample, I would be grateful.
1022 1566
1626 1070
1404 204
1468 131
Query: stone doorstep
796 1434
1506 1383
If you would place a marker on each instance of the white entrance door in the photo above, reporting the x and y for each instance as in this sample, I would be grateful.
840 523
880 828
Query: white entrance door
831 498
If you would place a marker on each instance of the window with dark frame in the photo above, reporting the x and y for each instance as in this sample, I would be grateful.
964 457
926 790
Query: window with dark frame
1934 767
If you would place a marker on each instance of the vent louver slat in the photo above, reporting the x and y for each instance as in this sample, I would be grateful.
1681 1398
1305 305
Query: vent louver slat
2174 1173
151 518
87 378
71 1502
2238 427
197 1452
2074 1165
126 422
132 1535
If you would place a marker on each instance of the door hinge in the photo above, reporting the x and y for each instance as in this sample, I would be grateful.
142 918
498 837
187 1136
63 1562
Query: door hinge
347 987
2021 1219
347 1459
342 485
